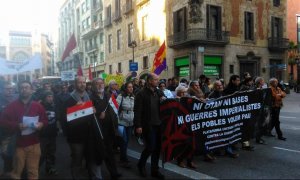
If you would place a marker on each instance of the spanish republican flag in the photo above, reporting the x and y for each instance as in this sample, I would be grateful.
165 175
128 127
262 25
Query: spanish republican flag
160 62
79 111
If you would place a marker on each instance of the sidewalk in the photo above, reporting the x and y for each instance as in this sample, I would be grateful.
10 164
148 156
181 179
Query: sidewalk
291 103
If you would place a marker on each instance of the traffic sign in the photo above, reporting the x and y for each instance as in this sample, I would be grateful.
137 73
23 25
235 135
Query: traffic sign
133 66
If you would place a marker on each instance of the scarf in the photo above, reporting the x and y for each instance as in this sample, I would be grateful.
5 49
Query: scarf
75 95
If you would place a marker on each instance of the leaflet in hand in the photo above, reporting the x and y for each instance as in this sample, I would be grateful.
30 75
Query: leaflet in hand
30 123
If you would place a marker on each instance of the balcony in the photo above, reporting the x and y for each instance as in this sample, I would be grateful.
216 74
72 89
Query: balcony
278 44
117 16
107 22
92 48
92 30
198 36
128 8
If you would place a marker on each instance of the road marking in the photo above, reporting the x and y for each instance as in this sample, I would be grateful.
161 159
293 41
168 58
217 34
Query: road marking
289 127
291 150
288 117
174 168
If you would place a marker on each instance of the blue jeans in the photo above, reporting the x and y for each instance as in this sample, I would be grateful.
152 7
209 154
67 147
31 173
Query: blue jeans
125 133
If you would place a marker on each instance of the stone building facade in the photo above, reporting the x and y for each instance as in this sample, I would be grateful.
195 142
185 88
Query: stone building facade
220 38
134 30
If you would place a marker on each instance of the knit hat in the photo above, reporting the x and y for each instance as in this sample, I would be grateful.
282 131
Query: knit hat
48 93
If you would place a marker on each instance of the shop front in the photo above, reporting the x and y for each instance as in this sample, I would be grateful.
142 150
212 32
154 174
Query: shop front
182 67
212 66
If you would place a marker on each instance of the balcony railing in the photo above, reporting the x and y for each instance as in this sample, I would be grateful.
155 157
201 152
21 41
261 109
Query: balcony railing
198 35
127 8
107 22
117 15
92 48
278 44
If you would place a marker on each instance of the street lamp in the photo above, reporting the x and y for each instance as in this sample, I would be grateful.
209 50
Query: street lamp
297 60
132 45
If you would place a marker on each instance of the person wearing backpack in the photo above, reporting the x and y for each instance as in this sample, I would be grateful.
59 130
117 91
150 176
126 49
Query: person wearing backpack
125 124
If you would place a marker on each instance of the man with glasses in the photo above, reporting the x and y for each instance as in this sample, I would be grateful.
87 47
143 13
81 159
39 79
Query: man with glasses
25 118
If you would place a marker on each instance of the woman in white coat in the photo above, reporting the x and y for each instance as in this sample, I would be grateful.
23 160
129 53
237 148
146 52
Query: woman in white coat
126 114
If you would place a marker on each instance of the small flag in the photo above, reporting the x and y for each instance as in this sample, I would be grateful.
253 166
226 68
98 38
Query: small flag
114 104
79 111
159 62
79 71
90 73
70 46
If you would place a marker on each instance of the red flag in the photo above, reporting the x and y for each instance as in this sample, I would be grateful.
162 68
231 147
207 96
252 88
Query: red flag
70 46
79 71
90 73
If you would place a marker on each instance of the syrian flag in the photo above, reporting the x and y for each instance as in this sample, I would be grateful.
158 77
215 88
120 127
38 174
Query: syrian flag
114 104
79 111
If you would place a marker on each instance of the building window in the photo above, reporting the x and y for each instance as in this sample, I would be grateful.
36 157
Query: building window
101 57
214 18
119 39
83 8
249 26
83 25
110 43
179 20
119 67
108 14
144 28
87 4
276 3
88 22
117 9
130 33
110 69
276 27
231 69
86 45
101 38
145 62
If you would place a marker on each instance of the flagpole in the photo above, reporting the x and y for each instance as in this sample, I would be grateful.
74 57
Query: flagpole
98 126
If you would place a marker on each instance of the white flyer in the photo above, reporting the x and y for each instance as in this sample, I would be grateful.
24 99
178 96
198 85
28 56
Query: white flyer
30 123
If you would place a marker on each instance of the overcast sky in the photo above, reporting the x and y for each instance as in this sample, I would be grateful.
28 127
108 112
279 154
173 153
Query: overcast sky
28 15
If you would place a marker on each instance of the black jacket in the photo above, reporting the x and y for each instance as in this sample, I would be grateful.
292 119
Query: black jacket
76 130
142 108
110 122
51 129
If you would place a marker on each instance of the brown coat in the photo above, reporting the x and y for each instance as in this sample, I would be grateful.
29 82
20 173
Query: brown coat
277 95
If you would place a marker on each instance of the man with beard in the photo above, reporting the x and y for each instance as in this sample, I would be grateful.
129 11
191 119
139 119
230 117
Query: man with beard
77 130
108 122
147 122
194 90
25 118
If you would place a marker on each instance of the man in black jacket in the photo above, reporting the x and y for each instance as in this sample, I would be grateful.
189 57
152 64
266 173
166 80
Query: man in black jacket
77 131
148 123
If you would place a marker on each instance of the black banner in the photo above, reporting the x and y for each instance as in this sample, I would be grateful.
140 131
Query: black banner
191 124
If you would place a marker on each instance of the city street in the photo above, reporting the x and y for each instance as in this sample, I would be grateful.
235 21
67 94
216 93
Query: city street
276 160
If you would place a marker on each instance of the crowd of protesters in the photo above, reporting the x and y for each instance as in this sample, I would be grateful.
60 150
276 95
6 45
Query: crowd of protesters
93 139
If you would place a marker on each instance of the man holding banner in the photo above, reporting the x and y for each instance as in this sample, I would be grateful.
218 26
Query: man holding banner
148 123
